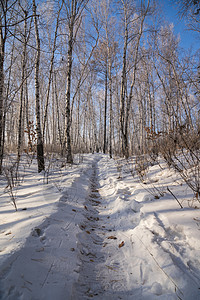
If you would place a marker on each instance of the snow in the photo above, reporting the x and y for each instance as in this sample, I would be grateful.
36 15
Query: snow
95 231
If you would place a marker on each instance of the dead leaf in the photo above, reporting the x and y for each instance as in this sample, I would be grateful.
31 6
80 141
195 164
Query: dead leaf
8 233
121 244
112 237
82 226
85 207
88 232
110 268
73 210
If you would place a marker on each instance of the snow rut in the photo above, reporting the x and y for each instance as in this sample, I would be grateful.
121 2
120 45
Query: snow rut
90 243
101 276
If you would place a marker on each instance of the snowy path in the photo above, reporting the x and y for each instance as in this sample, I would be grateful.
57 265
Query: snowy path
95 279
90 243
106 238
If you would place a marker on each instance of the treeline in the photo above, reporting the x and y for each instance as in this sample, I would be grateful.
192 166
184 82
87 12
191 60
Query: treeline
106 75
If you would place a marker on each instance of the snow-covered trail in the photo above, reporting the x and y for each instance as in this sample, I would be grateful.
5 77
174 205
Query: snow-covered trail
71 255
107 238
97 233
90 243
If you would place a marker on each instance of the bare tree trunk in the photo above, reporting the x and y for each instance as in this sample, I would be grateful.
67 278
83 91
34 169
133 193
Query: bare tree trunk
105 111
92 113
58 114
123 87
3 35
111 112
1 102
22 90
125 113
68 93
28 122
40 150
50 72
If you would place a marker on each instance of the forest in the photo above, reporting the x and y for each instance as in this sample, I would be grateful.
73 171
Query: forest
98 76
87 76
99 150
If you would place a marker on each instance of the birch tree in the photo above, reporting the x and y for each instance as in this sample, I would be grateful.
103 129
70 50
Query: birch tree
126 99
24 59
3 37
101 66
51 68
74 11
40 148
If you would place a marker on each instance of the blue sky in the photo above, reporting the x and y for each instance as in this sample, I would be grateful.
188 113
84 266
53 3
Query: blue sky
188 38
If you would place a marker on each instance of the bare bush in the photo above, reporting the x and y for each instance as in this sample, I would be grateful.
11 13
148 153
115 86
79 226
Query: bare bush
182 152
141 166
11 178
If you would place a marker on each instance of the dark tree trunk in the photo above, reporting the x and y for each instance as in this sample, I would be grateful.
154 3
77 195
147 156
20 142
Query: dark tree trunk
3 35
1 105
68 93
40 150
123 91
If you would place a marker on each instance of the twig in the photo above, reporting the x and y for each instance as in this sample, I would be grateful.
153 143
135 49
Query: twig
47 274
174 197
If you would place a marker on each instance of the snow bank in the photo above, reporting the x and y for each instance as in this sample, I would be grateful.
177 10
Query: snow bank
96 231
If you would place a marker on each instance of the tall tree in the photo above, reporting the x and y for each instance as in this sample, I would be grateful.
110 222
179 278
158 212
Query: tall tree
40 148
74 9
109 55
51 68
3 37
125 97
24 58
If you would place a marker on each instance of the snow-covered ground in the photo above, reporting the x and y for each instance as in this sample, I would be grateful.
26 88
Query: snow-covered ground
94 231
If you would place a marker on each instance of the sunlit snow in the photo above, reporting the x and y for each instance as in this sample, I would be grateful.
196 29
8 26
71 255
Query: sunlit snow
95 231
